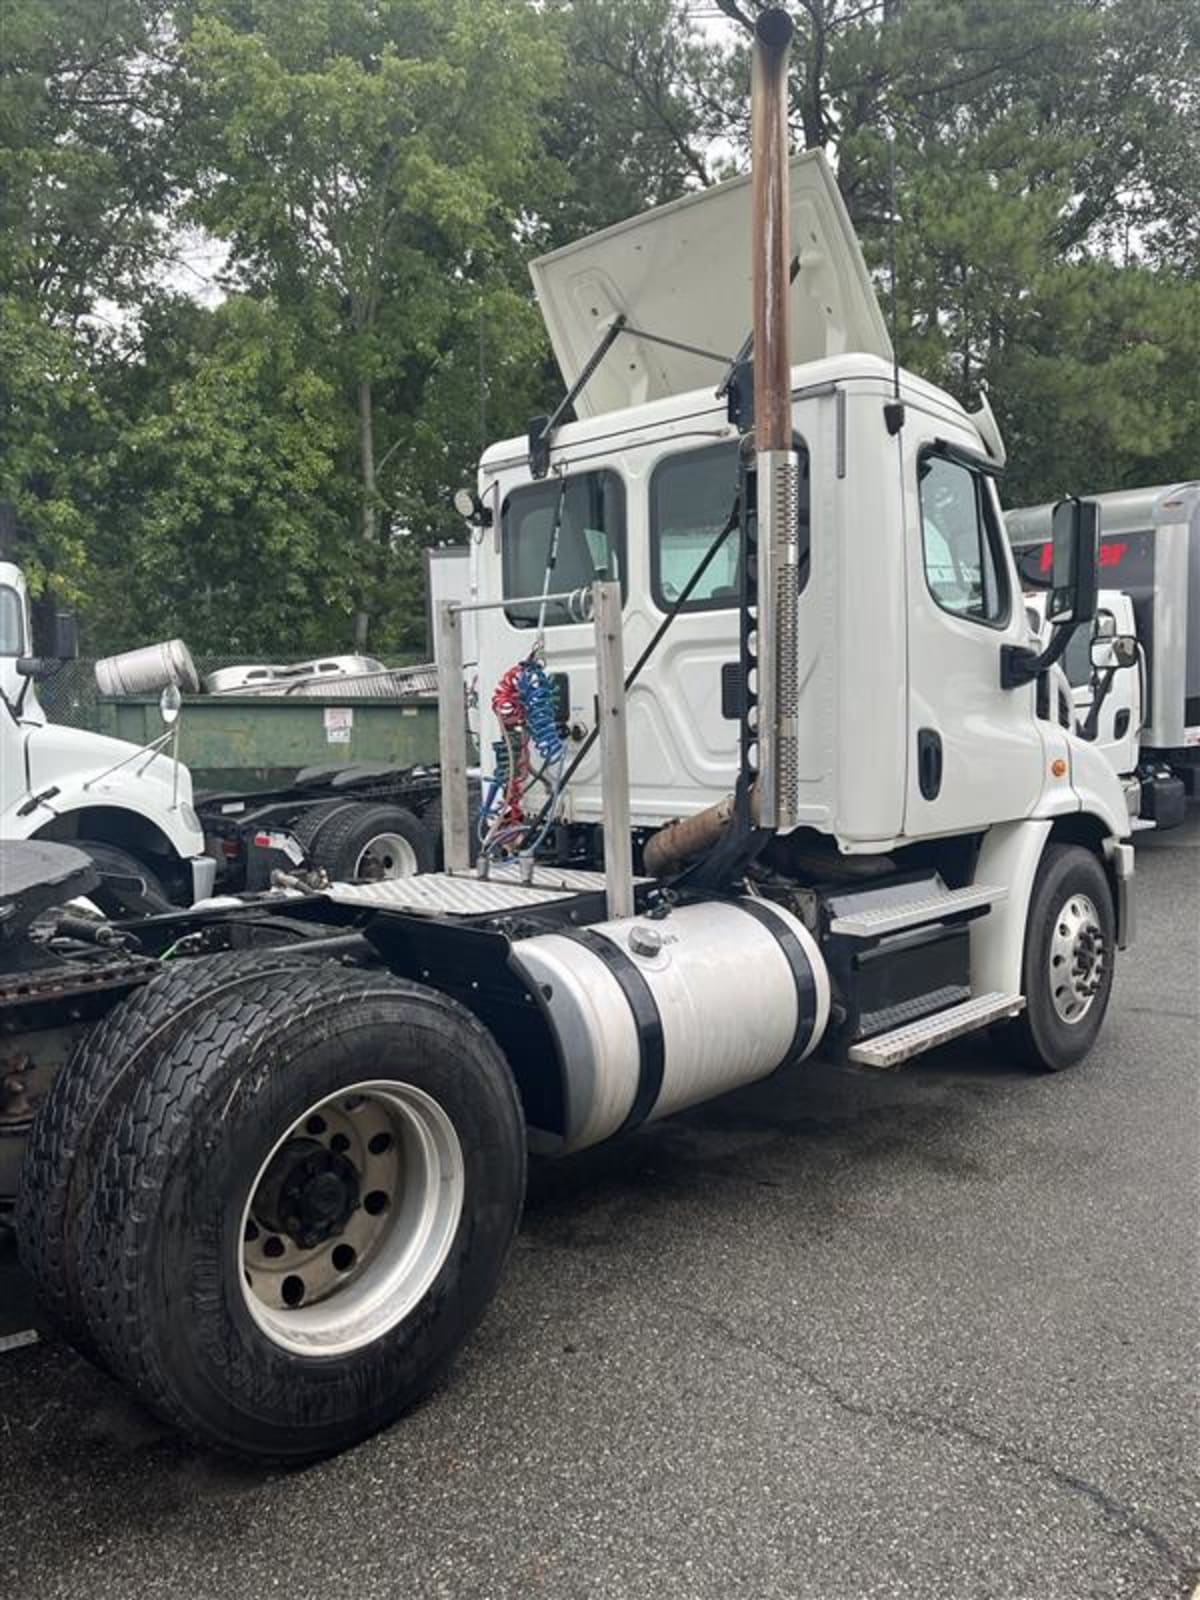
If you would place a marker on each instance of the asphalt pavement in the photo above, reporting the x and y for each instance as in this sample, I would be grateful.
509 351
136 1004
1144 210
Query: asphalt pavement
837 1336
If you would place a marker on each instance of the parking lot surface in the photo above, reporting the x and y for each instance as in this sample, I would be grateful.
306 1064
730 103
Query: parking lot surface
838 1335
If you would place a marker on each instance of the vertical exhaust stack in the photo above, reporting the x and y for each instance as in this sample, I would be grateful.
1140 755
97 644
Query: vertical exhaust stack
776 466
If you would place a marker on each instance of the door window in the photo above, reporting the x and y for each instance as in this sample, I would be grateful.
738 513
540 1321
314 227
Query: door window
960 538
589 512
691 496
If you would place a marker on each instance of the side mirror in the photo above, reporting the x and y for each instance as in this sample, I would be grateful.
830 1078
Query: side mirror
55 634
66 636
1075 544
1115 650
170 704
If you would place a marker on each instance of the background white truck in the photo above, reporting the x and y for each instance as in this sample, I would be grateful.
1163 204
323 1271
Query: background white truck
1149 723
817 811
130 808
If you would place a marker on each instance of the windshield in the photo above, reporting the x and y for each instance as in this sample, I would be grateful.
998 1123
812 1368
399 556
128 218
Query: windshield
12 622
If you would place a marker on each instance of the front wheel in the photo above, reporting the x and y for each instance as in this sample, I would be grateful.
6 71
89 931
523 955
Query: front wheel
303 1210
1067 974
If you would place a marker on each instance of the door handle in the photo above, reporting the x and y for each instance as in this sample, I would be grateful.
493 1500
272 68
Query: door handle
929 762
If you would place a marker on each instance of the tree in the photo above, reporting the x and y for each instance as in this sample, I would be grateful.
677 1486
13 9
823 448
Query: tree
84 199
87 111
634 123
1047 159
55 444
365 160
226 523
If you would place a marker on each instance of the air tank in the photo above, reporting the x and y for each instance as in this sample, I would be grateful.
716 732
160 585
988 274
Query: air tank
652 1015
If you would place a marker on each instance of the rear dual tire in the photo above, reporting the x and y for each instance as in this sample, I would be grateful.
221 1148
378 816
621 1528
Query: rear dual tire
354 840
244 1123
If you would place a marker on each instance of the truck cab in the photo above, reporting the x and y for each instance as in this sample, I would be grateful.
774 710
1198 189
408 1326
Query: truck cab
129 807
908 593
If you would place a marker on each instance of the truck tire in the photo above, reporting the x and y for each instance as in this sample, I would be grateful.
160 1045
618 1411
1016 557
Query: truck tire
59 1160
302 1210
357 839
1067 970
113 898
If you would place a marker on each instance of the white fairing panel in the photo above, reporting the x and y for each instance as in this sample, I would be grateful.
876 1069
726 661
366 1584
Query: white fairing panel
683 272
1009 855
1175 632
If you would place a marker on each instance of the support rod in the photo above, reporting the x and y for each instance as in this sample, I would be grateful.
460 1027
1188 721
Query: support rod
614 749
452 738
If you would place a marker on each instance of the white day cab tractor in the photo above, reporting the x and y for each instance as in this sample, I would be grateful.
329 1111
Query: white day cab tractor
129 807
767 780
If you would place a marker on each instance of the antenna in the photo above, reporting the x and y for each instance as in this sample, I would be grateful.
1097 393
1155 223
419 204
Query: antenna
892 223
893 412
482 381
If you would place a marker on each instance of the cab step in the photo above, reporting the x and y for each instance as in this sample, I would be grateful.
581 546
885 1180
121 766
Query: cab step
892 1049
936 904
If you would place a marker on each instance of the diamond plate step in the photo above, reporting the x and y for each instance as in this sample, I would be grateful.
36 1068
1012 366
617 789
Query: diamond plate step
913 913
463 894
892 1049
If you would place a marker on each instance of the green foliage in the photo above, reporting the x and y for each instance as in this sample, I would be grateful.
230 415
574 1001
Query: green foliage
1048 183
86 179
1101 384
366 163
55 447
233 509
264 473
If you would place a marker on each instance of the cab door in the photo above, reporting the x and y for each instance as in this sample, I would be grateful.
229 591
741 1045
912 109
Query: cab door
683 709
975 752
1119 725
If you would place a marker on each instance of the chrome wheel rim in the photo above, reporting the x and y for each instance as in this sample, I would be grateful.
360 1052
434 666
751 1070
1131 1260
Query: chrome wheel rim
1077 958
387 855
350 1218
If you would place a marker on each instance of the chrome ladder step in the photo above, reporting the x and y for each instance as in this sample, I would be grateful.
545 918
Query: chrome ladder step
870 924
914 1038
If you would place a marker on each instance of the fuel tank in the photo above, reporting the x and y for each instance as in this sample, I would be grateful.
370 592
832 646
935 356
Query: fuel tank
652 1015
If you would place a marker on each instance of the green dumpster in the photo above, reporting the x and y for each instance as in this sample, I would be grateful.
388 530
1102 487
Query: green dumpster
261 741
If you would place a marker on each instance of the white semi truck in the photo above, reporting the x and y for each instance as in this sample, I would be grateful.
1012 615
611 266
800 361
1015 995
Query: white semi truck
793 797
132 808
129 808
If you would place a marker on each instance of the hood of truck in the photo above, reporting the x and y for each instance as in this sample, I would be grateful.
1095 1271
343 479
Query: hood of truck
74 757
683 272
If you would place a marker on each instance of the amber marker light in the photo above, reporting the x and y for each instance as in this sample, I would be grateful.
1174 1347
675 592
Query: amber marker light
1058 767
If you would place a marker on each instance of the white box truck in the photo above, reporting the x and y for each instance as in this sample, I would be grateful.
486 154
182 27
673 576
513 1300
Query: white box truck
1150 576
